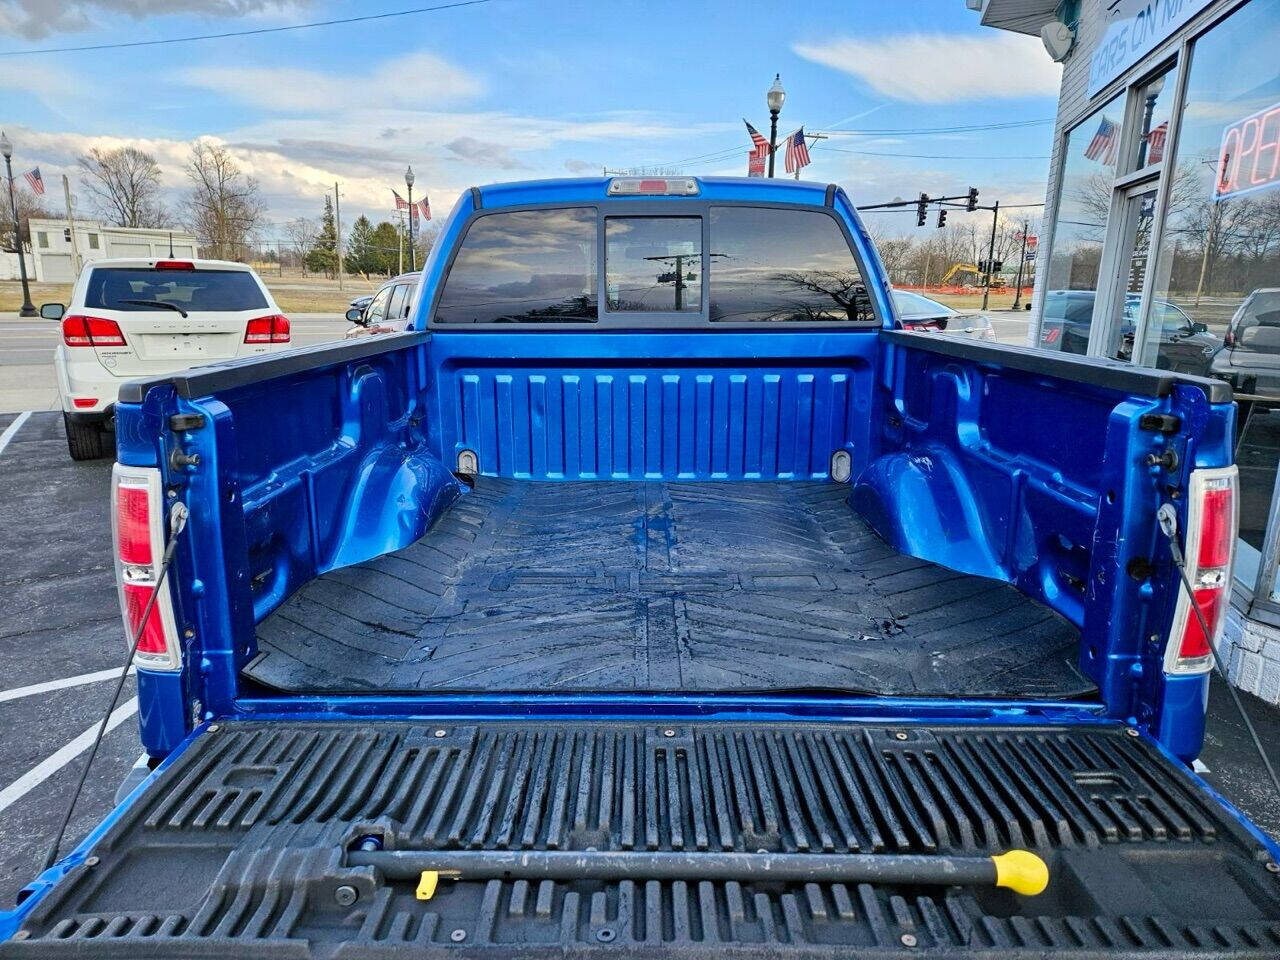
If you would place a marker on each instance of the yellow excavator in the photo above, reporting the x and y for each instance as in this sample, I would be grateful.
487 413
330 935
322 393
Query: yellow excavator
970 276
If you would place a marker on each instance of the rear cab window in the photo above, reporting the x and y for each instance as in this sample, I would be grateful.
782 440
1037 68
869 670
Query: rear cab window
147 289
674 264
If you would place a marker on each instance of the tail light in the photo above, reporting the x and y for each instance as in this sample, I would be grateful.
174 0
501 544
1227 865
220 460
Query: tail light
175 265
81 331
1210 549
274 329
138 533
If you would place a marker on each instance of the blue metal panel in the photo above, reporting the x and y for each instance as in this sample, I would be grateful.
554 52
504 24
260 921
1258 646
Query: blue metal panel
715 407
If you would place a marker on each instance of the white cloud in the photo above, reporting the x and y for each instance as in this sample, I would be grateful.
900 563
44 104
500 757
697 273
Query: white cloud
943 68
395 83
34 19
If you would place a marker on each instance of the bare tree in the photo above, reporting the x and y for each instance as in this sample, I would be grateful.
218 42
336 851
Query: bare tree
28 206
225 204
302 233
125 186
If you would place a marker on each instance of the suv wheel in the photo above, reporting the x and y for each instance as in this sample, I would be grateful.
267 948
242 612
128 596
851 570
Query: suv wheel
86 441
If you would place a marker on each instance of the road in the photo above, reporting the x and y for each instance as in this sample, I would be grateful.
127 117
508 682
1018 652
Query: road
26 356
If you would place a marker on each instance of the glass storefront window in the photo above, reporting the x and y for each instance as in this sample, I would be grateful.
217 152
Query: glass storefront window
1217 278
1155 109
1080 227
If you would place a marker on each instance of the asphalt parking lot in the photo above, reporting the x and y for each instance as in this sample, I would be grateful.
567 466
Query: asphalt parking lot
60 632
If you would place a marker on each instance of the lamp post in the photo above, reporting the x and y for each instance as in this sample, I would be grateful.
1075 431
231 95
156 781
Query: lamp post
28 308
408 182
774 99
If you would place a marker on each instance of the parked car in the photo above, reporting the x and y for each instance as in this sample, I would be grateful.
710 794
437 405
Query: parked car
1185 345
132 318
389 309
1250 356
918 312
590 626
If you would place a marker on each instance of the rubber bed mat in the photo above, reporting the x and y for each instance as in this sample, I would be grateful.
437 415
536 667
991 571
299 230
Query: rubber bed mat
663 587
244 846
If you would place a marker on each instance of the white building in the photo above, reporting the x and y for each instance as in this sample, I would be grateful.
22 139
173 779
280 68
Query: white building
1161 239
53 256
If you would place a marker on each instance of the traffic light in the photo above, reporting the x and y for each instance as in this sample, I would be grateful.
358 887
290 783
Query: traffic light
942 217
922 209
972 203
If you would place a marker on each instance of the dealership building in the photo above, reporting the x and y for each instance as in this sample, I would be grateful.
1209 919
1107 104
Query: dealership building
1161 240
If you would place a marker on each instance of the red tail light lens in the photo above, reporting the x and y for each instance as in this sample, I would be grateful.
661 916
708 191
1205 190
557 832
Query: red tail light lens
84 403
175 265
133 525
1210 550
274 329
135 602
81 331
137 520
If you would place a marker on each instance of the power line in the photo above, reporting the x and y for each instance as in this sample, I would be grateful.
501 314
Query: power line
927 131
942 156
244 33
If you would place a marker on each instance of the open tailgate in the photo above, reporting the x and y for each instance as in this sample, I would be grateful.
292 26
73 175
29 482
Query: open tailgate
245 844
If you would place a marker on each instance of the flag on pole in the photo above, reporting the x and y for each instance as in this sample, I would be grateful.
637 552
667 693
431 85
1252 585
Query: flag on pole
1155 142
425 207
755 164
1105 143
797 152
401 203
35 181
758 142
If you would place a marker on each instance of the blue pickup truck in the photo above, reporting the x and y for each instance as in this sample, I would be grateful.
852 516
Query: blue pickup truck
653 595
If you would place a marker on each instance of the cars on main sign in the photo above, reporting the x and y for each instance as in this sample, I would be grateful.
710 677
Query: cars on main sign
918 312
131 318
389 310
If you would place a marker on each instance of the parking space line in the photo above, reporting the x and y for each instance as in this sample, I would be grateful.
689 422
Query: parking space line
13 428
51 764
32 689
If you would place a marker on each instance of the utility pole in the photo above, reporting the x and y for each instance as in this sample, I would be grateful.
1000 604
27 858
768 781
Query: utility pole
71 223
337 227
991 253
1017 290
400 238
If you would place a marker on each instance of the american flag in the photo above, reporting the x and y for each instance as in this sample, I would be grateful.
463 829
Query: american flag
1105 143
35 181
758 141
401 203
1155 142
797 152
425 207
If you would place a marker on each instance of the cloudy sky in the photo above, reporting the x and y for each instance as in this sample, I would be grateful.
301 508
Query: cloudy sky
514 89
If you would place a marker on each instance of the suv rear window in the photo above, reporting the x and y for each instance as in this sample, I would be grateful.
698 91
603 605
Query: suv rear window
128 288
771 265
526 266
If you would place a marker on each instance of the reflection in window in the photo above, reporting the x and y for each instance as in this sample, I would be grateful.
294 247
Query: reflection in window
1155 109
1219 258
769 264
653 264
526 266
1079 229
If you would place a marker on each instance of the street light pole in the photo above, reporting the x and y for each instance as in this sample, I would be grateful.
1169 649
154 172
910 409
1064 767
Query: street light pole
413 254
774 99
28 308
991 253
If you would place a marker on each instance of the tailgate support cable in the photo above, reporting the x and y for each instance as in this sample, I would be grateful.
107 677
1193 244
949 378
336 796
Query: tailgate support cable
1169 527
177 523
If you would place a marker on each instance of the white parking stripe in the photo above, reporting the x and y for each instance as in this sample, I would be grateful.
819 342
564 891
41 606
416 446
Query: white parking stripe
13 428
51 764
30 690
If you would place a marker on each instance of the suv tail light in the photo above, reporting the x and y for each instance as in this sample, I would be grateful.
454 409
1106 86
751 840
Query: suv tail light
274 329
81 331
1210 549
137 522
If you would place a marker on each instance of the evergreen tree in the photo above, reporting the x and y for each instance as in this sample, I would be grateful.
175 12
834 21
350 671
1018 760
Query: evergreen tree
361 254
386 243
323 255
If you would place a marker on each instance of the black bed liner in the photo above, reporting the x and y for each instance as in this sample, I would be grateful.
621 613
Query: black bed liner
663 587
239 848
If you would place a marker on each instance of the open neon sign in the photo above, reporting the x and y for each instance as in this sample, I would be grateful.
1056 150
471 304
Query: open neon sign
1249 158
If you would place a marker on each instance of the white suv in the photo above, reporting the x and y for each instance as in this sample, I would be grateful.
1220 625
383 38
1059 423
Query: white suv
143 318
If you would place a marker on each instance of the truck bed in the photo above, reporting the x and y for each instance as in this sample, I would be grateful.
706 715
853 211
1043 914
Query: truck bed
661 586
